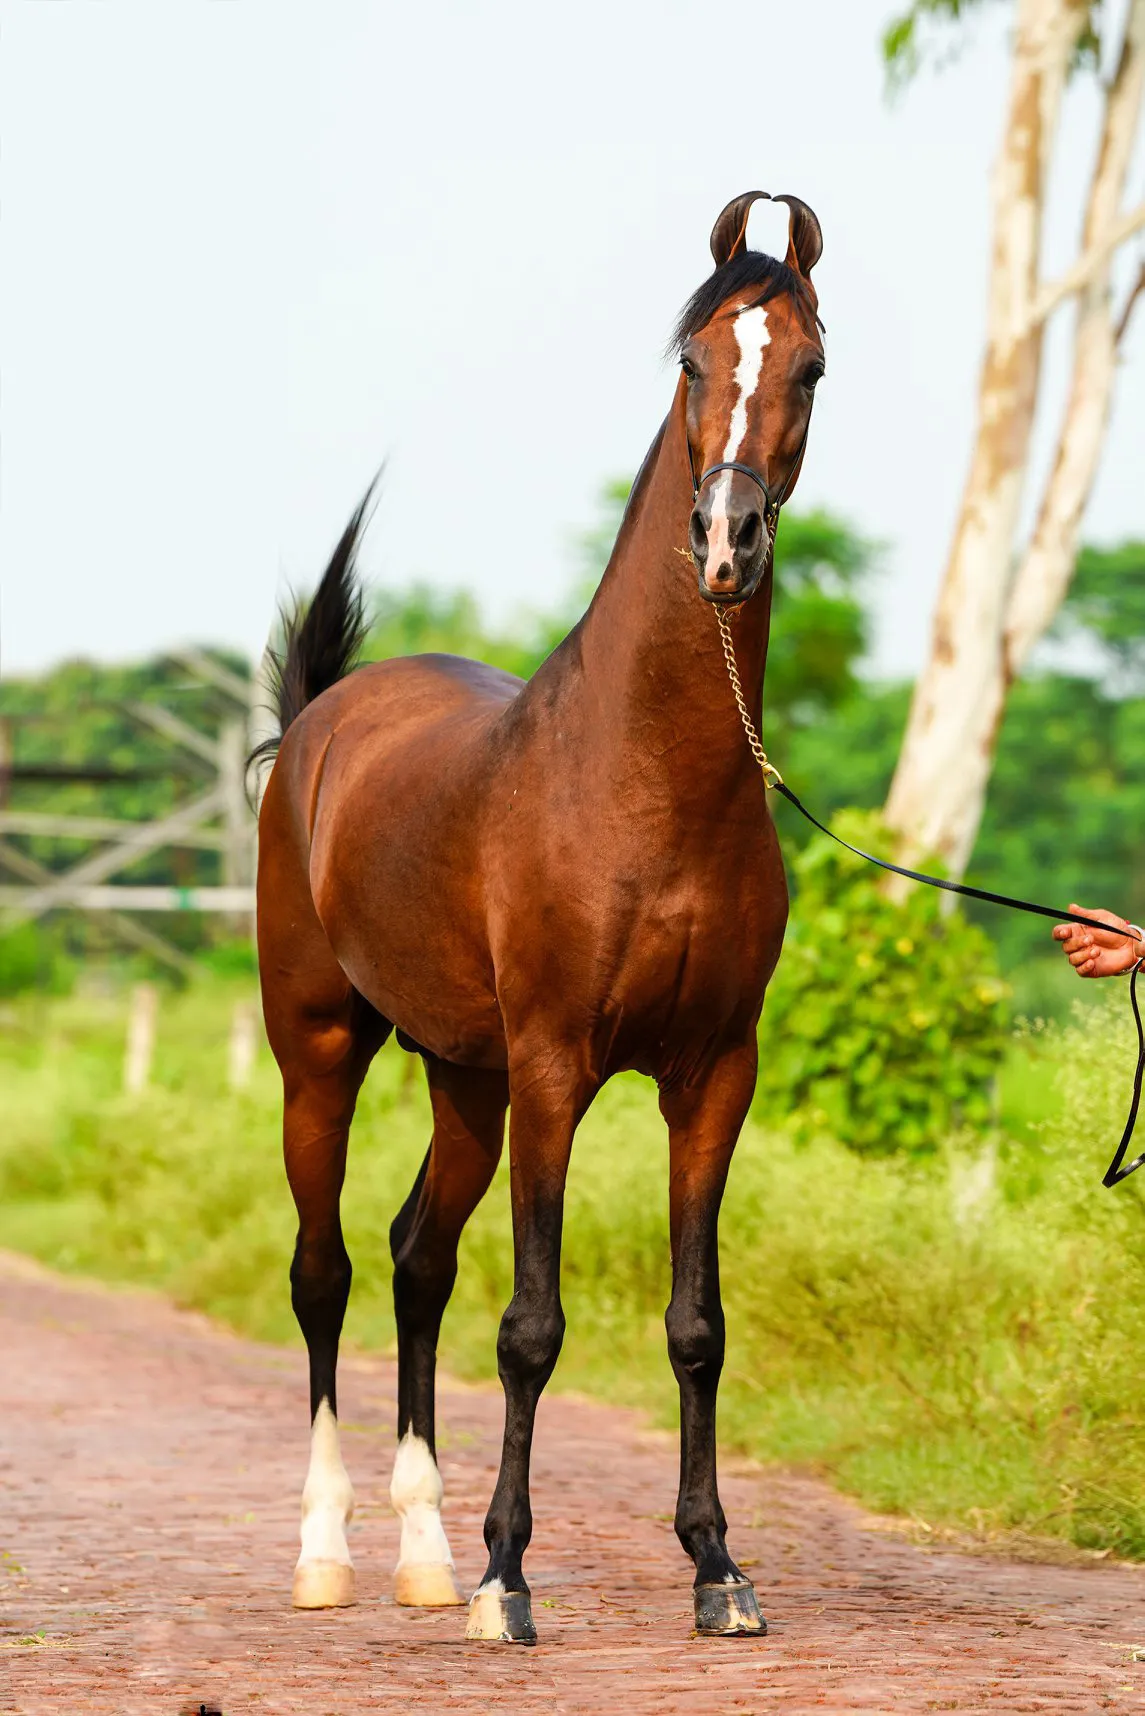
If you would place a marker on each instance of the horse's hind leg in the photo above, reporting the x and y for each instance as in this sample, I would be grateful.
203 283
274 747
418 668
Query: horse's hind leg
323 1036
468 1129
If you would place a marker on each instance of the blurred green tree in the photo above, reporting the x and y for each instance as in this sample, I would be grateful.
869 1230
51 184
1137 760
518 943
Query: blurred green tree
1105 608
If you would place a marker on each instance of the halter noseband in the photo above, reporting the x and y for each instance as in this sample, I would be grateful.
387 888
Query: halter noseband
770 507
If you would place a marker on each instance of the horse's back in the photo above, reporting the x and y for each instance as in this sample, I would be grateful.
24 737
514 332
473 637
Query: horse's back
387 698
375 715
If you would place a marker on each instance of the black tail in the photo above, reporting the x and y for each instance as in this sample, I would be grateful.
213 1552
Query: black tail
321 641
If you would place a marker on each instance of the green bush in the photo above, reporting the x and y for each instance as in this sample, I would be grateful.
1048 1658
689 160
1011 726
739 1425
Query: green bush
885 1024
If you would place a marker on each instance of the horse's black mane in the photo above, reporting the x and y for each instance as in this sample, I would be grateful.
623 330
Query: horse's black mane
746 268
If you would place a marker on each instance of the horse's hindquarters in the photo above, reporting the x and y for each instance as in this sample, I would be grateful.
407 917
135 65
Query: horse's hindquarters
398 868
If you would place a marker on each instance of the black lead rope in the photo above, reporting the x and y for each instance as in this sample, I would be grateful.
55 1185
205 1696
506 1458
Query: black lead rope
1115 1172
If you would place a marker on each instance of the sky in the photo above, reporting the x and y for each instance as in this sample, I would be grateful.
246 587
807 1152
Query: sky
251 248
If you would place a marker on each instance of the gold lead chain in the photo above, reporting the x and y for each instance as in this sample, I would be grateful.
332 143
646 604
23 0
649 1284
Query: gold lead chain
771 775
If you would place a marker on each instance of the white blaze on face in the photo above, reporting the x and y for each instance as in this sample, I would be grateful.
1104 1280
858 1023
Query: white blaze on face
328 1499
752 336
415 1493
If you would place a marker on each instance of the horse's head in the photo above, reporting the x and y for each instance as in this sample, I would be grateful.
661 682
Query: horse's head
750 349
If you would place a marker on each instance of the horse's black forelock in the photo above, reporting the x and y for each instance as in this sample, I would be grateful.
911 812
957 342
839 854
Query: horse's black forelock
746 269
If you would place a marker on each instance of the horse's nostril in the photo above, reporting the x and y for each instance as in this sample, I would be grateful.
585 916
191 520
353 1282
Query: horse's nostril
697 534
748 539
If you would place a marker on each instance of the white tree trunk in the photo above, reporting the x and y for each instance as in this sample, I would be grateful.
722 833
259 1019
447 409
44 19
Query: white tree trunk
1043 577
936 797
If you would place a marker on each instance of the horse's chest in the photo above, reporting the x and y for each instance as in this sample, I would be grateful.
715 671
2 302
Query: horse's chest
645 940
684 968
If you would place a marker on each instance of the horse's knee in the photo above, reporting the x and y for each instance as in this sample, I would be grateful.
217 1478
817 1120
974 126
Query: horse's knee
320 1275
529 1341
695 1340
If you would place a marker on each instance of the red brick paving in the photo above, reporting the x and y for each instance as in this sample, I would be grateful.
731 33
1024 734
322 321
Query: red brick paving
149 1476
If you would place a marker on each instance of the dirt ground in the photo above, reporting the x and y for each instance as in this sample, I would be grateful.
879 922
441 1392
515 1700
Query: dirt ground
150 1469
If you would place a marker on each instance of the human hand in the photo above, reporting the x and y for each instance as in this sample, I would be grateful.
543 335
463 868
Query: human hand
1100 953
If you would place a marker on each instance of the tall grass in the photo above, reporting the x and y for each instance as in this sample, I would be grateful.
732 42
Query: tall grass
971 1360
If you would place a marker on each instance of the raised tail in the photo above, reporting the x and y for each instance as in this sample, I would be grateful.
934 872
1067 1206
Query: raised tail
321 639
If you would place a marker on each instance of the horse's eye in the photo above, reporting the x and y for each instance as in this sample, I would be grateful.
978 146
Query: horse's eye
688 368
813 375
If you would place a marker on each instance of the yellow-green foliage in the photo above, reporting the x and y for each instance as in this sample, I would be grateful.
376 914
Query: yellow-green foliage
884 1026
972 1360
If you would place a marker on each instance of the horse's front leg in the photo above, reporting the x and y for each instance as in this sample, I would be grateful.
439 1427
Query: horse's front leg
704 1122
543 1112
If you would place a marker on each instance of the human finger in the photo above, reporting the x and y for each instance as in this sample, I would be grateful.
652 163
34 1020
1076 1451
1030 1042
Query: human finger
1102 916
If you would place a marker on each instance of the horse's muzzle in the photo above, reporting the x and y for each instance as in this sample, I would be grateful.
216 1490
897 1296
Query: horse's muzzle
729 551
731 598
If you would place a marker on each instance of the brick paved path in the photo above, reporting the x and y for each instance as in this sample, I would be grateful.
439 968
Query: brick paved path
149 1475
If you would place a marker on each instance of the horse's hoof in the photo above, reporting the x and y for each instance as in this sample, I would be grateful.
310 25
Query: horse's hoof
421 1585
504 1616
728 1611
323 1585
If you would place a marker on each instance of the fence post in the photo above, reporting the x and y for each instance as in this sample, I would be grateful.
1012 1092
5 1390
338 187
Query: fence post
243 1044
140 1038
973 1186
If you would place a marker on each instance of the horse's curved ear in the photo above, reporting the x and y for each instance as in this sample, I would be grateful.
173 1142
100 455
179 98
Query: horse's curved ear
805 236
729 235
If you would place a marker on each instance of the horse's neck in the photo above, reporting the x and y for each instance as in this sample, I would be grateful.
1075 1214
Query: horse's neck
653 670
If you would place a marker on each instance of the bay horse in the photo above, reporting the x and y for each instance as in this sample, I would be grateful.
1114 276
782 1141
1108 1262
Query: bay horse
538 885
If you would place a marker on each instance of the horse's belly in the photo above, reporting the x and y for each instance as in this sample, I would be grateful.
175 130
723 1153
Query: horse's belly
417 954
424 973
